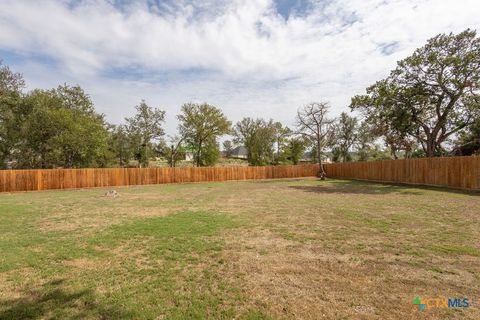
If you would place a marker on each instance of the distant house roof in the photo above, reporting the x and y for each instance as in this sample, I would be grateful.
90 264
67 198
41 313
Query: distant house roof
239 151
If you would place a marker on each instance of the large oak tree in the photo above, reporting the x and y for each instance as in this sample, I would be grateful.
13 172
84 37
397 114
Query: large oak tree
431 95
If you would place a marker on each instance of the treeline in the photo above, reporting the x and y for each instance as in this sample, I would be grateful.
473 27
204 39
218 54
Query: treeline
428 106
60 128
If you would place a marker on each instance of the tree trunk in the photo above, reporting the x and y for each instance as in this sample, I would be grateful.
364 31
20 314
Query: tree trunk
198 155
278 153
430 147
319 156
146 154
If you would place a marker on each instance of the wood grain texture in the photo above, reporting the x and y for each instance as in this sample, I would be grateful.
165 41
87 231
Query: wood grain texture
455 172
47 179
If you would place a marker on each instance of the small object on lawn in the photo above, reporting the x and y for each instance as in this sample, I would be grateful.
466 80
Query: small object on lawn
112 194
322 175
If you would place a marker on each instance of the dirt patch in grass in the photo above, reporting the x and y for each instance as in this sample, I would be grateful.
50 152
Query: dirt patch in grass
75 219
84 264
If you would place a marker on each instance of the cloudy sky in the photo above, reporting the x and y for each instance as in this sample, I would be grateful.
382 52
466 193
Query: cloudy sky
258 58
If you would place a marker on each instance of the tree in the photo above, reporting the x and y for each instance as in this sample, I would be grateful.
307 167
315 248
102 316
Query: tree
398 142
145 127
210 153
173 151
11 112
468 142
312 123
80 139
39 128
345 135
121 144
10 81
228 148
281 133
82 136
431 95
336 154
364 142
49 128
258 137
52 134
12 115
201 125
75 98
295 149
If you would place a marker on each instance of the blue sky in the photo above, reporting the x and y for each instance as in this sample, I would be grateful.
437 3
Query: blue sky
293 7
257 58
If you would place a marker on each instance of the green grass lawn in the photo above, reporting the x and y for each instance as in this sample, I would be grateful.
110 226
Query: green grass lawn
246 250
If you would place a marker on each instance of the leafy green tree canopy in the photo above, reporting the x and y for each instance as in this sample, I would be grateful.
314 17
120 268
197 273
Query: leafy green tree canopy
145 127
281 134
258 136
469 141
10 81
53 133
431 95
346 134
295 148
201 125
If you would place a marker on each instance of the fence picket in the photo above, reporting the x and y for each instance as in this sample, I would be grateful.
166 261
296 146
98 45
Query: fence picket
45 179
456 172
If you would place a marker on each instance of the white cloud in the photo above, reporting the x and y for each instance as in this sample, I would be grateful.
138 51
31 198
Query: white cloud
241 55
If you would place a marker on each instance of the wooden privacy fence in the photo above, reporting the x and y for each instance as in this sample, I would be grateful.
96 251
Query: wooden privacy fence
44 179
456 172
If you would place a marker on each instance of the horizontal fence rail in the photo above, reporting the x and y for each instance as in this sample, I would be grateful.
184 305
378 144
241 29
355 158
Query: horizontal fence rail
45 179
455 172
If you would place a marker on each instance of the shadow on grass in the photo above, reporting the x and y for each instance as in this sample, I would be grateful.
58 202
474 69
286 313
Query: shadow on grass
372 187
51 301
273 180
